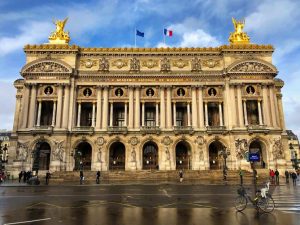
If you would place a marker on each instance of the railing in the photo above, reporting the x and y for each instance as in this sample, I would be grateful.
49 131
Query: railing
150 130
183 130
257 128
42 130
83 129
117 130
216 129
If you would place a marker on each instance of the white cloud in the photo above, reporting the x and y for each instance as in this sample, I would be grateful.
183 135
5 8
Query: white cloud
7 102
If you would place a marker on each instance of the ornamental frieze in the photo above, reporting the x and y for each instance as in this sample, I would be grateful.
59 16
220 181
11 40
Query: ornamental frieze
120 63
46 67
165 65
251 67
196 65
134 65
103 65
88 63
180 63
151 63
211 63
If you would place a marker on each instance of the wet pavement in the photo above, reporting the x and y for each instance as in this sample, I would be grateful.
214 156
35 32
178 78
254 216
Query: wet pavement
165 204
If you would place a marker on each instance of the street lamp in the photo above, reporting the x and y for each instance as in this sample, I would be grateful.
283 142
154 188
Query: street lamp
294 158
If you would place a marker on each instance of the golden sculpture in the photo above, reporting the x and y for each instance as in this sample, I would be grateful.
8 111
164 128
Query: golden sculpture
238 36
59 36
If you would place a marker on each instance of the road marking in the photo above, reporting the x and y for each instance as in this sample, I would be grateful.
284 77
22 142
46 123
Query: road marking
166 193
28 221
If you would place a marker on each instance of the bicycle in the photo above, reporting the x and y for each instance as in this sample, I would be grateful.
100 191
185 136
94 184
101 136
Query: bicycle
263 200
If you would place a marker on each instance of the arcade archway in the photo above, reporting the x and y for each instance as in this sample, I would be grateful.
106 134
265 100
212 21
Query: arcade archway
257 147
83 156
117 156
215 159
41 156
183 155
150 156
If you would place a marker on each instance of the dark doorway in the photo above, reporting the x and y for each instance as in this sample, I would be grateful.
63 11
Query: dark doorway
215 159
183 156
83 153
117 156
256 147
150 156
41 156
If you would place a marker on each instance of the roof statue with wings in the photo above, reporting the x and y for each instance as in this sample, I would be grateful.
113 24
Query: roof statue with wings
59 36
239 36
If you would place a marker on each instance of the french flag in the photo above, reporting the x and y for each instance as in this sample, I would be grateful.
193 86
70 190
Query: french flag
168 32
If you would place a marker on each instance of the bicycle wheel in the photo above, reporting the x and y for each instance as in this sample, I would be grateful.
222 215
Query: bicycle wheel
240 203
266 204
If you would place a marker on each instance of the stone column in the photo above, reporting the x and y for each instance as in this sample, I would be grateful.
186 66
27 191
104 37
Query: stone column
17 113
98 116
174 114
72 105
169 108
266 112
281 114
201 116
272 101
206 114
125 114
59 106
189 113
137 122
240 106
226 109
259 112
38 123
131 103
233 111
143 114
105 108
25 101
53 114
93 114
221 114
245 112
156 114
194 107
111 111
78 114
32 106
66 106
162 108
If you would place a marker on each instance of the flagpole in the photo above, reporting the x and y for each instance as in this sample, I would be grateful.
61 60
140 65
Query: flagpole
164 36
135 38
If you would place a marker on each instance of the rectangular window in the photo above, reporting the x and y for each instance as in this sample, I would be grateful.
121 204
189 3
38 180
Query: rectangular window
150 117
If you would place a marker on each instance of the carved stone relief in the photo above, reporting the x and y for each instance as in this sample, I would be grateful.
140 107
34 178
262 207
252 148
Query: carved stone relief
120 63
88 63
58 151
22 151
165 65
278 149
167 140
211 63
134 65
103 65
196 64
241 148
251 67
47 67
180 63
150 63
200 141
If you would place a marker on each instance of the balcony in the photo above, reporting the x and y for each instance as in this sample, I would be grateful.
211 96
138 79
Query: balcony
42 130
117 130
183 130
216 129
83 130
150 130
257 129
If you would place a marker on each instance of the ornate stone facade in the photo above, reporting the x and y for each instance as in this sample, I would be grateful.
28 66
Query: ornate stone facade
148 108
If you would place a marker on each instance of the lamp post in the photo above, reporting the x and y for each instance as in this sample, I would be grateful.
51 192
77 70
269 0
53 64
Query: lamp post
225 152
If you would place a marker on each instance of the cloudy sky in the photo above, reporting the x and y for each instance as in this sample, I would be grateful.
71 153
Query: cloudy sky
111 23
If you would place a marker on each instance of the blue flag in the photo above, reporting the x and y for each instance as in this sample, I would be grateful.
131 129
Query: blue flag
139 33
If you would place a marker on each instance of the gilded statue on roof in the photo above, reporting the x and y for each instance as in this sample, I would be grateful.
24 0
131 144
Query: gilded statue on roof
59 36
239 36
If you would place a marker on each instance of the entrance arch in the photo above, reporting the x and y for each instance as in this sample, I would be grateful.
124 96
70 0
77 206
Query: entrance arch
117 156
150 156
41 156
215 159
183 155
257 146
83 156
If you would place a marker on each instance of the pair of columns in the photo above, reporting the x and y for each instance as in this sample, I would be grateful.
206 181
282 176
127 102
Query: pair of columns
220 114
259 112
79 114
188 109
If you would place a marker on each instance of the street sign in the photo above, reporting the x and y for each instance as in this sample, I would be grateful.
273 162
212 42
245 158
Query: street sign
254 157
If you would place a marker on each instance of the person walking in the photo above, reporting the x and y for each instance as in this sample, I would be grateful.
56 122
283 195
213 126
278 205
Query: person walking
81 177
272 175
47 177
294 177
241 173
20 176
180 176
98 177
277 176
287 176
